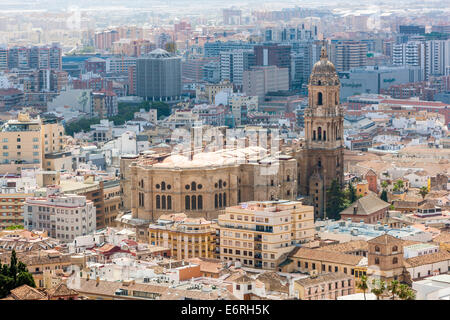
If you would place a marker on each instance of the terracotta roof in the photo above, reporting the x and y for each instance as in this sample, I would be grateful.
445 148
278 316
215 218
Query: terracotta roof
26 292
243 279
427 259
347 247
274 282
61 290
443 237
386 239
321 278
328 256
366 205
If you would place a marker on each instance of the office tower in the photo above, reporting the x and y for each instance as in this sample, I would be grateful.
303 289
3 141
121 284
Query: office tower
213 49
234 63
55 57
39 58
18 58
347 54
321 160
159 76
273 55
411 29
193 69
3 58
232 16
304 55
260 80
290 33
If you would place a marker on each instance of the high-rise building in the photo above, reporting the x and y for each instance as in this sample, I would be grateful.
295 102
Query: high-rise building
232 16
290 33
159 76
103 40
321 160
213 49
304 55
431 56
234 63
18 57
273 55
259 80
3 58
411 29
347 54
257 234
104 104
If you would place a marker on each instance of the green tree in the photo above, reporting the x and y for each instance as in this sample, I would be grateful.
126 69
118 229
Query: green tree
384 184
423 192
405 292
14 275
362 285
393 288
379 286
336 200
398 185
384 196
352 197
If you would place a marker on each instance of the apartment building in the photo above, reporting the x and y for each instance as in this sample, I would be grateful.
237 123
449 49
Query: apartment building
260 80
26 142
11 207
186 237
112 200
64 217
348 54
327 286
258 233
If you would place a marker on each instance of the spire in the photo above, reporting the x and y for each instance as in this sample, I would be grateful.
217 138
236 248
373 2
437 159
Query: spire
323 52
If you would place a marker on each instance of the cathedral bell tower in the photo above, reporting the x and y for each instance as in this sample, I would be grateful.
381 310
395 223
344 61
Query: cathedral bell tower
322 158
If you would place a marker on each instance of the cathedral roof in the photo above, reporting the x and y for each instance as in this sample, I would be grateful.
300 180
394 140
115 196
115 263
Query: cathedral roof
324 71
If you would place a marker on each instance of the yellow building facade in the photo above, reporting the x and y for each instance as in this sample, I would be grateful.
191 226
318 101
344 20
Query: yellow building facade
257 233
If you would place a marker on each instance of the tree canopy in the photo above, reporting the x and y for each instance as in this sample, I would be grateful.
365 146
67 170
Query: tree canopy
14 275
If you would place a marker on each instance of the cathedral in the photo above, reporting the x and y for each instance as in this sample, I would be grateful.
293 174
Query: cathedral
320 160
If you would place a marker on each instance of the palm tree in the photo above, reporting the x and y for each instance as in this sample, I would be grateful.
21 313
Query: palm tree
393 288
405 292
379 286
362 285
384 184
399 185
423 192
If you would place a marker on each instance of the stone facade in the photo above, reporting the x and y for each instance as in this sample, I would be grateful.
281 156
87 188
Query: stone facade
205 187
321 158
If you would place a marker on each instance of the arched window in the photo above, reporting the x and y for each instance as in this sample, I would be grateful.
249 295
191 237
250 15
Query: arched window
142 183
158 202
163 185
224 199
220 184
220 200
377 249
163 206
319 133
169 202
194 202
187 203
335 98
319 82
377 261
216 202
200 202
319 163
394 260
319 99
288 178
239 196
314 134
324 135
193 186
394 248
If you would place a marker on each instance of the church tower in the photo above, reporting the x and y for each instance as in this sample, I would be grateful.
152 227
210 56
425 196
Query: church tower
321 159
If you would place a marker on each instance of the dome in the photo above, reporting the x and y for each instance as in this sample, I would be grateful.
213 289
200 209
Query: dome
323 71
